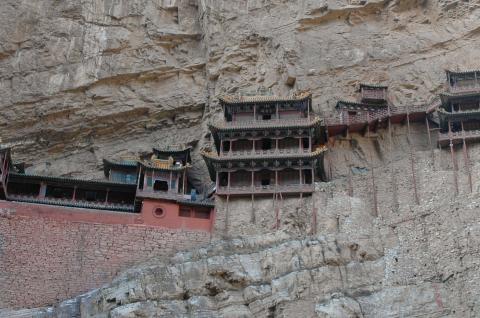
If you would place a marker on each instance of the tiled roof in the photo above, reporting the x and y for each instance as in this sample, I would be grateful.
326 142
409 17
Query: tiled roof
463 72
70 180
264 98
368 85
359 106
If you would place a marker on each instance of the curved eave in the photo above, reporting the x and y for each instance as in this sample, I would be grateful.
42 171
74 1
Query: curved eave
273 99
443 114
449 72
342 104
184 151
163 169
447 96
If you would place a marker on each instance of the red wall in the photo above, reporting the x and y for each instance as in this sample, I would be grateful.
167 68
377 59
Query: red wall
171 219
48 254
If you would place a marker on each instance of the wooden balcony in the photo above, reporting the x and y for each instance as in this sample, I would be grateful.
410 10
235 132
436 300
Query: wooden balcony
281 122
466 88
269 189
457 137
265 153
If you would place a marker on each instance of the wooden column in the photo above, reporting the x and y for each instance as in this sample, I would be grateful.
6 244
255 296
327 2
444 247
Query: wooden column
276 145
276 179
455 178
310 143
221 147
253 146
254 112
184 181
253 180
228 182
276 111
106 196
412 159
466 158
300 175
300 148
217 181
170 183
74 197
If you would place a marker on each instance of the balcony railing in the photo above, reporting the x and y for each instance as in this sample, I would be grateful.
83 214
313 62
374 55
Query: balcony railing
459 135
267 189
364 117
266 153
466 88
271 122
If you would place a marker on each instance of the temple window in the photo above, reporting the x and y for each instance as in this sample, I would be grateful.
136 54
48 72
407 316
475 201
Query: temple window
266 144
160 185
266 117
226 145
159 212
185 212
202 213
223 176
352 113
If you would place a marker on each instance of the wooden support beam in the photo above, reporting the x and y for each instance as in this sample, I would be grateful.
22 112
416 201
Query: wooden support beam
227 216
412 159
466 158
454 161
252 217
374 189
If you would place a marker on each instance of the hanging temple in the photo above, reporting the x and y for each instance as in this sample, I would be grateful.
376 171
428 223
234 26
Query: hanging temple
264 146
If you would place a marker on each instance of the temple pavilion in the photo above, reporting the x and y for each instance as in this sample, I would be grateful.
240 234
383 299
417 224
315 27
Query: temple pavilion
130 184
459 110
266 145
356 116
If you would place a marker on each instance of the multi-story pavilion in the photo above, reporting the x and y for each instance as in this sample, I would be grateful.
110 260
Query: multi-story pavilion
459 110
265 145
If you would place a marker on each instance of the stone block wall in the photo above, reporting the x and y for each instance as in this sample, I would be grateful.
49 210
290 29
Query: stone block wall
49 254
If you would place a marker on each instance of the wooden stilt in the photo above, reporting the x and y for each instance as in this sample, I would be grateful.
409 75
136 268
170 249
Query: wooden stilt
374 189
454 162
252 217
227 216
412 159
430 142
466 159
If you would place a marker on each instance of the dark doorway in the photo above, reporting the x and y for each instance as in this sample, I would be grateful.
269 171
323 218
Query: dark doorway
160 185
266 144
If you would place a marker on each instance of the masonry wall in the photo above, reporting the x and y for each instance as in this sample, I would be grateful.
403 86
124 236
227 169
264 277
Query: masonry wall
49 253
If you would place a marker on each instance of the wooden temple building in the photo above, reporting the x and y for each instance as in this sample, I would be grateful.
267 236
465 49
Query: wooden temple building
266 145
155 187
459 108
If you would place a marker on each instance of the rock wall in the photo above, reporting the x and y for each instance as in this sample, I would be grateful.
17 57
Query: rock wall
102 78
401 259
49 254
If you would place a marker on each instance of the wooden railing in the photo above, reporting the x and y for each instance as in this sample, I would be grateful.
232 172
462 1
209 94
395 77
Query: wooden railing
266 153
272 122
259 189
363 117
473 87
468 134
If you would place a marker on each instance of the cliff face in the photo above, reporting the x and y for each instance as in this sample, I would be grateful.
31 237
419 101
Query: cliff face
81 80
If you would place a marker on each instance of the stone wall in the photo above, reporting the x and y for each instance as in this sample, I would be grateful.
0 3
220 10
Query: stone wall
48 257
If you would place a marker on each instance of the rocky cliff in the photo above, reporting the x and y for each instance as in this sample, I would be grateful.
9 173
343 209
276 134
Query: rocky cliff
81 80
